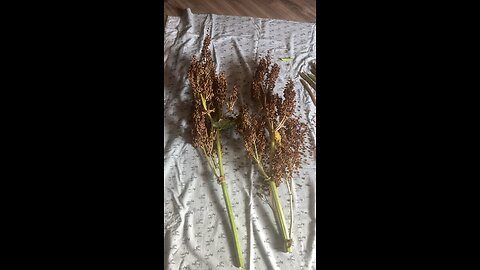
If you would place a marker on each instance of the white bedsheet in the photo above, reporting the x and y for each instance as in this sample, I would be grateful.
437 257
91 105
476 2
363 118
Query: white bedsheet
196 229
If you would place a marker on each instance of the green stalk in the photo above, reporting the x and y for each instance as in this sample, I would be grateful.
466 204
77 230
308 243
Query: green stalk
280 216
312 96
309 80
276 201
231 216
289 183
219 151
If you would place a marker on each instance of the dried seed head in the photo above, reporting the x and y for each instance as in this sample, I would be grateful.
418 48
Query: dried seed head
288 105
260 139
294 145
272 77
209 96
257 90
199 130
264 80
200 73
232 99
206 43
275 131
209 144
269 108
246 129
219 91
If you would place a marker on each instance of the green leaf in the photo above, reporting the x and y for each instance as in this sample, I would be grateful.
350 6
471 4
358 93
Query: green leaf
224 124
287 59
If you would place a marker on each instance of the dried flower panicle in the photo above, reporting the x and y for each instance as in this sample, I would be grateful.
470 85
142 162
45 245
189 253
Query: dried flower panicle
212 109
245 128
253 136
264 79
199 131
200 77
210 98
288 106
220 91
291 150
273 136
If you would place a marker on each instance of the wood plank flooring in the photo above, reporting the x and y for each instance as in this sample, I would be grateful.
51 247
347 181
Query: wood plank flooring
292 10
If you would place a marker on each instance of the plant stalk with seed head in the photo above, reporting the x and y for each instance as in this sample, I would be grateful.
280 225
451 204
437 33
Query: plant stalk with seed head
210 116
273 137
310 81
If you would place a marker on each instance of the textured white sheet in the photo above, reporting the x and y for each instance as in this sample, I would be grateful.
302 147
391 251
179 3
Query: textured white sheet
197 233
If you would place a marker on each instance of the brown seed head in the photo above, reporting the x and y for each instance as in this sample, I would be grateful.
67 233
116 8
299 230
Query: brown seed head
272 77
288 105
257 90
219 91
292 146
281 148
246 129
199 130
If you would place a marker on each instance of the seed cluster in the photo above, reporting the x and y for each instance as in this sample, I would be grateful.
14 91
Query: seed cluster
202 136
210 100
273 135
292 148
251 129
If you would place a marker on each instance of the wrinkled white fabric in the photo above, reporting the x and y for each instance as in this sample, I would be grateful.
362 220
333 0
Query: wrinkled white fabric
196 226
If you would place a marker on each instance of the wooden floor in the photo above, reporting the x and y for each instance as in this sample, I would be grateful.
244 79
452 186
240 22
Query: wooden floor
292 10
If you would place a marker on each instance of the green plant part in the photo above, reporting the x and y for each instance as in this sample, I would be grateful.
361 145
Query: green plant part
309 82
286 59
